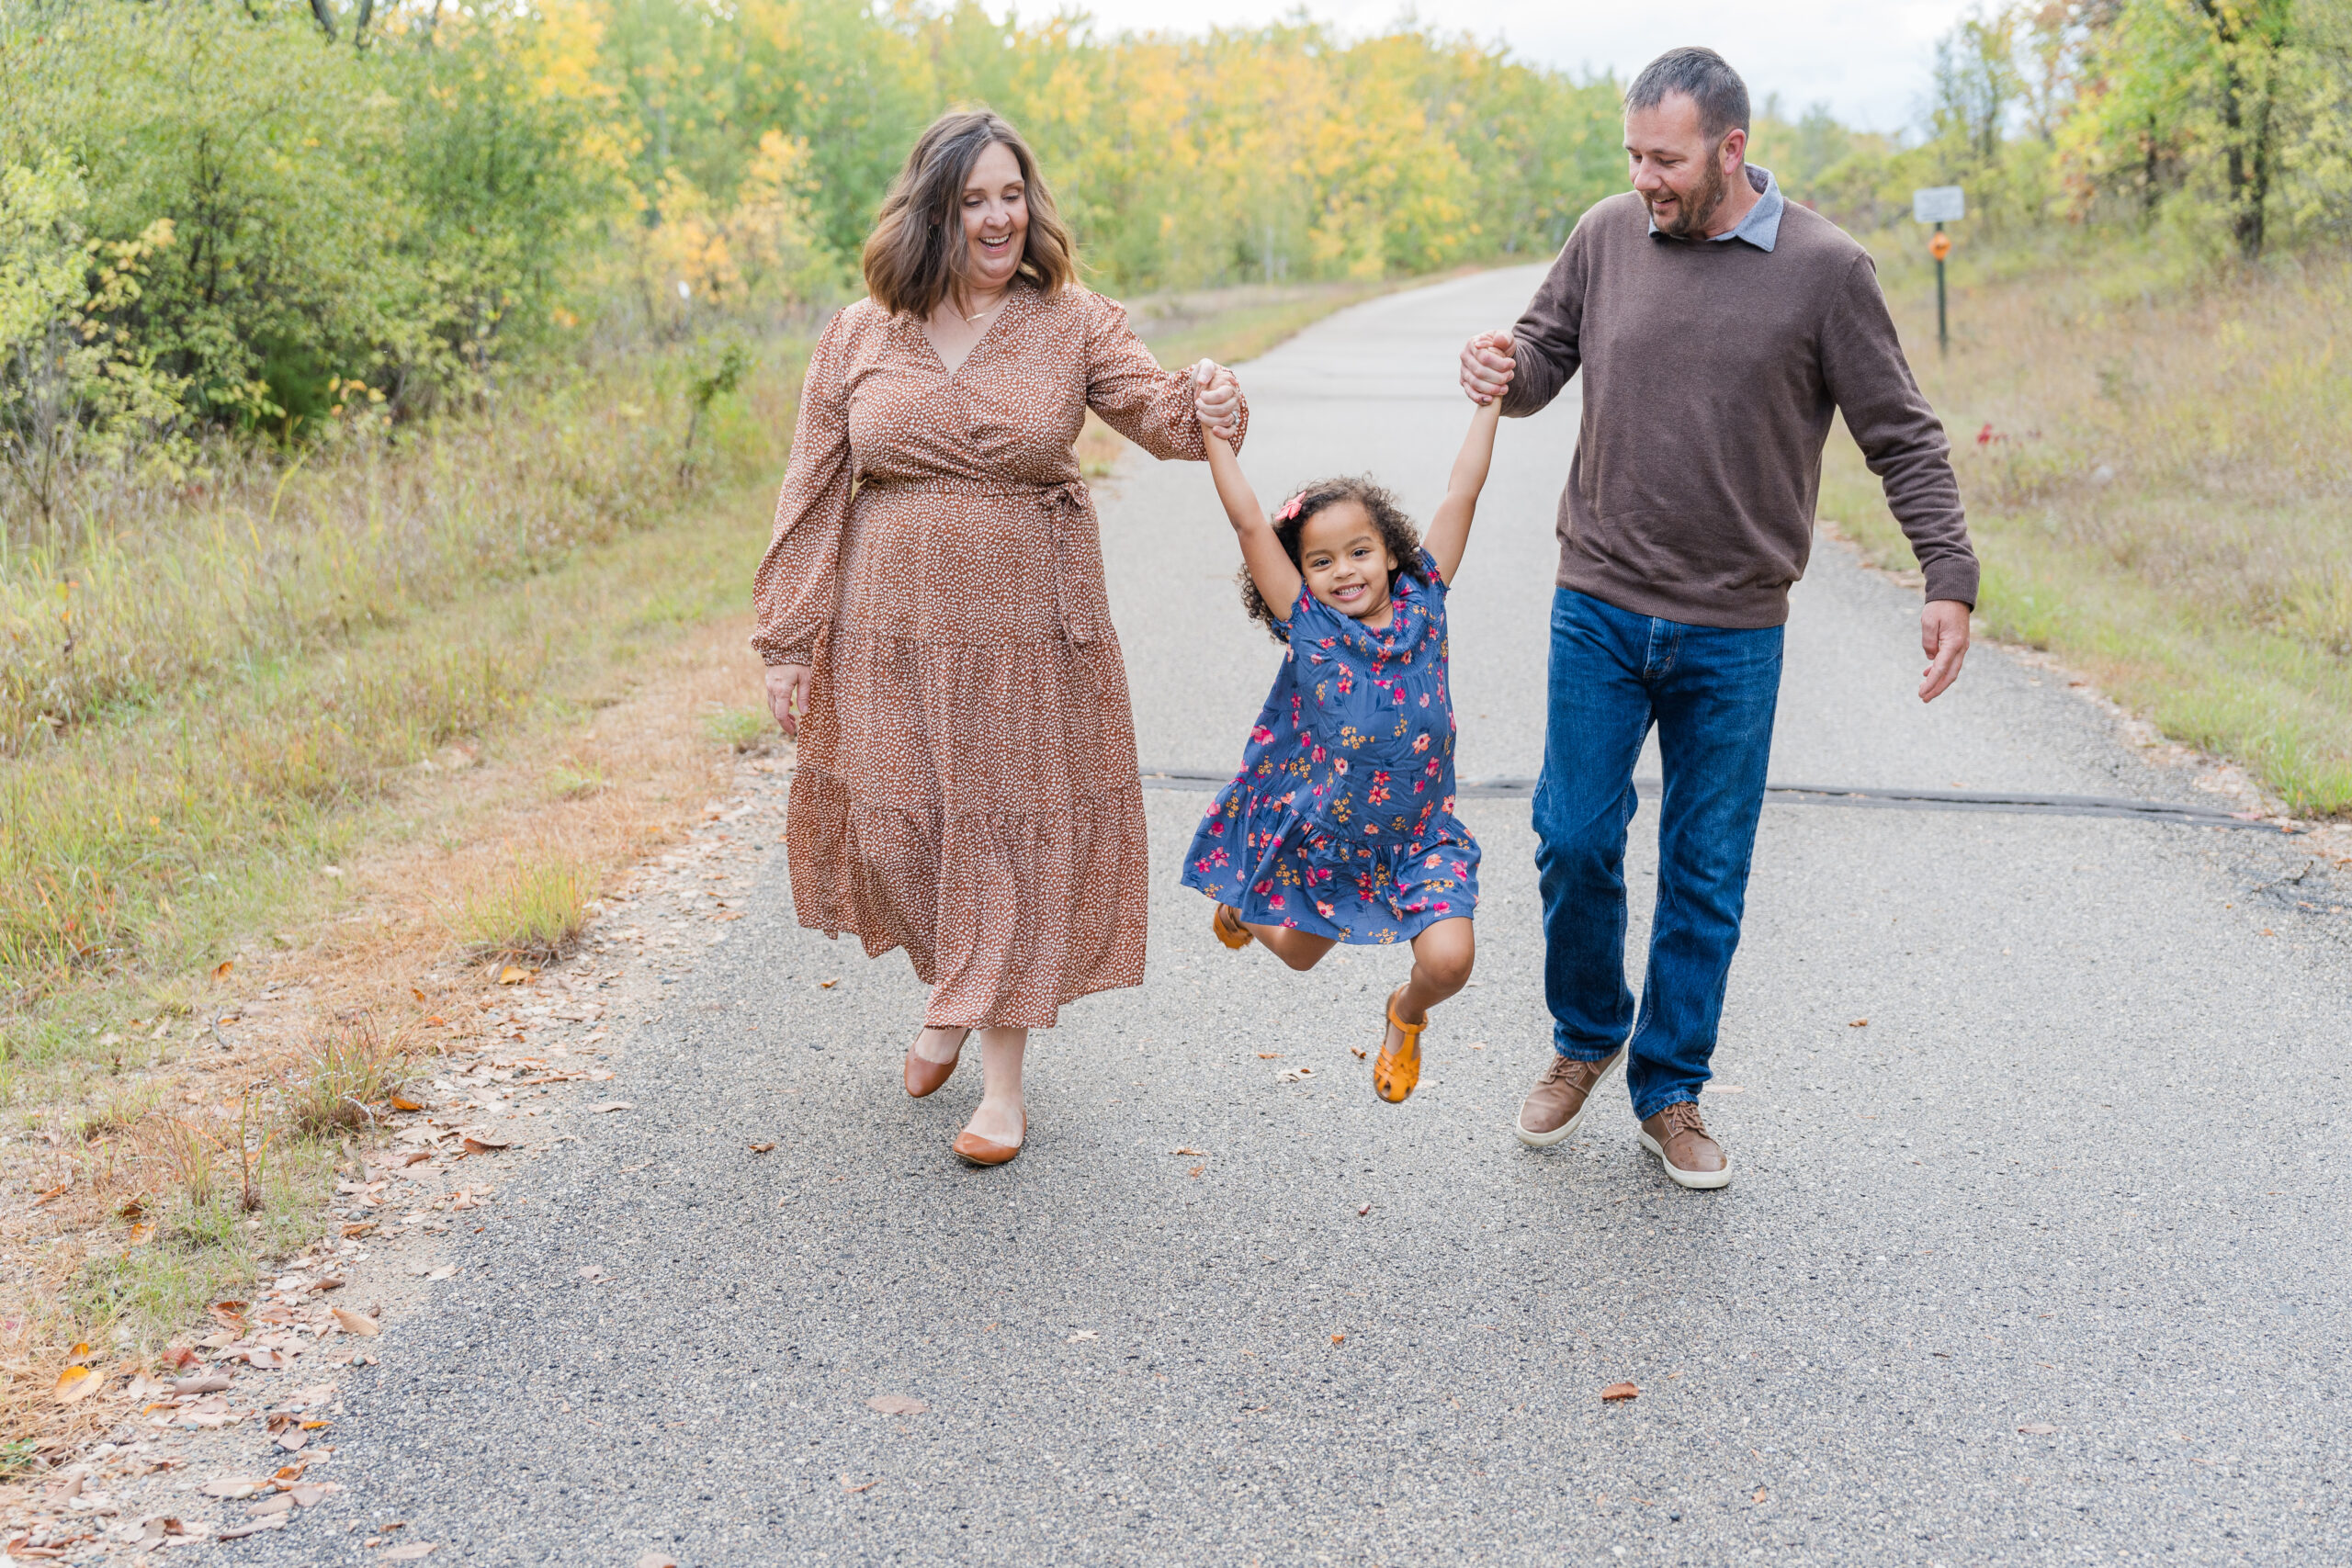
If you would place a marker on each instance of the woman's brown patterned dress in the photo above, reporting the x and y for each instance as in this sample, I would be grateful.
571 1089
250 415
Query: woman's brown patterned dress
966 780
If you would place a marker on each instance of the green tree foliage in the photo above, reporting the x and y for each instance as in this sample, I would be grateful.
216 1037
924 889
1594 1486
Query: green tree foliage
2224 122
338 215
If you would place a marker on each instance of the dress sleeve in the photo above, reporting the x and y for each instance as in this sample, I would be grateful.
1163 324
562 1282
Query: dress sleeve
1151 407
799 580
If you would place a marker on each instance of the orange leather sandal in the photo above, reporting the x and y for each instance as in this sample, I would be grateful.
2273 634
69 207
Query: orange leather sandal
1395 1074
1227 923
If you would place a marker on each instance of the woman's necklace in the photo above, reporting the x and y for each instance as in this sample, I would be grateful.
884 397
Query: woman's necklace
990 311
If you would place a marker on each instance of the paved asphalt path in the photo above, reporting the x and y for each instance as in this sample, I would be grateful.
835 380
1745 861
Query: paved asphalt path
2044 1263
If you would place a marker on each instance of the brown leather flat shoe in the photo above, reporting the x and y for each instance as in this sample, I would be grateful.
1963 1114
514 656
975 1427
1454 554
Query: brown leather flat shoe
1227 923
984 1151
925 1075
1398 1071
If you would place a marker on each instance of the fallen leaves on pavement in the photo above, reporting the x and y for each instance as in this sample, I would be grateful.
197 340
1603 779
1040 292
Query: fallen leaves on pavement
2037 1429
1616 1391
357 1323
896 1404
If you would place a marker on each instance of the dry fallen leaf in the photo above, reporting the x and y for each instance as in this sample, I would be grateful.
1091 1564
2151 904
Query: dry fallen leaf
761 1148
827 986
402 1103
1621 1391
1359 1051
417 993
143 1233
1759 1495
1193 1152
221 970
485 1145
1859 1023
867 1487
2037 1429
75 1382
357 1323
232 1486
1082 1334
896 1404
1338 1339
1270 1055
411 1552
79 1355
1196 1170
593 1272
1362 1212
610 1105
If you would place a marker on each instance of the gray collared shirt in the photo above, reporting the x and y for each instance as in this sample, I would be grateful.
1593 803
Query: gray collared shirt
1761 227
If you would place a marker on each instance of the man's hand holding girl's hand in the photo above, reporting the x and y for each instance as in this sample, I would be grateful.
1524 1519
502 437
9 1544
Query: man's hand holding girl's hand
1486 366
1216 398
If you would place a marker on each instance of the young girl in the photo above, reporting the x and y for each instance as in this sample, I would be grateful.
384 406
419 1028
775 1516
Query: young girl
1341 825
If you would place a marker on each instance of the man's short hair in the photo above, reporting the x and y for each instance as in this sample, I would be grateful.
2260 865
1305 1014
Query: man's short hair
1705 76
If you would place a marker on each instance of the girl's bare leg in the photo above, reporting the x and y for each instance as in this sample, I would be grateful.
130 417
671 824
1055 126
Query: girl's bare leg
998 1118
1442 954
1300 950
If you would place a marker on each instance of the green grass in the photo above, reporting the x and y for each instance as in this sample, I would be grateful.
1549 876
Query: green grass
741 730
140 1296
534 913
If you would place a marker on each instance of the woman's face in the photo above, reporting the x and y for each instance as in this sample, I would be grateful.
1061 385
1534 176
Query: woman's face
995 218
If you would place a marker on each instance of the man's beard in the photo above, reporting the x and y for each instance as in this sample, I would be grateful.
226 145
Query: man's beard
1697 209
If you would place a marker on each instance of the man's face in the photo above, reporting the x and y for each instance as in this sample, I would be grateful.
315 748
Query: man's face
1680 174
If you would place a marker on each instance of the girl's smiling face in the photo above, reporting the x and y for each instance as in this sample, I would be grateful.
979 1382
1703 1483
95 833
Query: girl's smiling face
1345 561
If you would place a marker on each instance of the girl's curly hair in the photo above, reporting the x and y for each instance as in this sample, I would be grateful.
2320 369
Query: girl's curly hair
1395 530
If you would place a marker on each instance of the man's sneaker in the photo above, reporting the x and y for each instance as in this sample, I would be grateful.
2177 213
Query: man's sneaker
1680 1141
1558 1100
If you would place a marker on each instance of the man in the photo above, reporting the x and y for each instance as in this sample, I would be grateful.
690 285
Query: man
1718 326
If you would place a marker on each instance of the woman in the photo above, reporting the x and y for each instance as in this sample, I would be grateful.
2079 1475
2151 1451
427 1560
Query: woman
932 617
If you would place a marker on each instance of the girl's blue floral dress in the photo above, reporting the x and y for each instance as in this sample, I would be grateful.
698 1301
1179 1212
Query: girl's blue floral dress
1341 820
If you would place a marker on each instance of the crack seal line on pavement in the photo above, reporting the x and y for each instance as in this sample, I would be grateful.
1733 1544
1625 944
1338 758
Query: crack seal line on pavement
1843 795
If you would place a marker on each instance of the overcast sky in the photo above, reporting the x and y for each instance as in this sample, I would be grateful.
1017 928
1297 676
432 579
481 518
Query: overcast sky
1867 59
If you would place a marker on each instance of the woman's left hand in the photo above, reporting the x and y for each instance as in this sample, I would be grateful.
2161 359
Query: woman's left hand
1216 398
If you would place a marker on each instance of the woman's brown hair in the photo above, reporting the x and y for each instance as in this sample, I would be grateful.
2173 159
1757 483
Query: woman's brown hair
916 246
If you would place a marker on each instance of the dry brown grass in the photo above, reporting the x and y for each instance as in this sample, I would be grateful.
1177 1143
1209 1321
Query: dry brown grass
2159 482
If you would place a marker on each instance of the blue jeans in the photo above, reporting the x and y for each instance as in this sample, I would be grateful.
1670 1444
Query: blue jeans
1711 693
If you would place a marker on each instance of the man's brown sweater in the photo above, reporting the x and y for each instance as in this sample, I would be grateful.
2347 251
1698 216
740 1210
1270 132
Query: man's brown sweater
1710 371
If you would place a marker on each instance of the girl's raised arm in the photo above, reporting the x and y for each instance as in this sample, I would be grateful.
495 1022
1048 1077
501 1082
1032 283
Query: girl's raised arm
1450 528
1270 565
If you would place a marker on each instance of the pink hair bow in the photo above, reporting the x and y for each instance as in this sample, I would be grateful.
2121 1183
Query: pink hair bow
1290 507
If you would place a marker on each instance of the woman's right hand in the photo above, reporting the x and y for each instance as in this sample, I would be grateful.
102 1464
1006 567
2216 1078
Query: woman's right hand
788 688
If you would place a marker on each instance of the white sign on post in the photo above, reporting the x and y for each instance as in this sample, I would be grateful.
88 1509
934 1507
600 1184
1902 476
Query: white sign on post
1938 204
